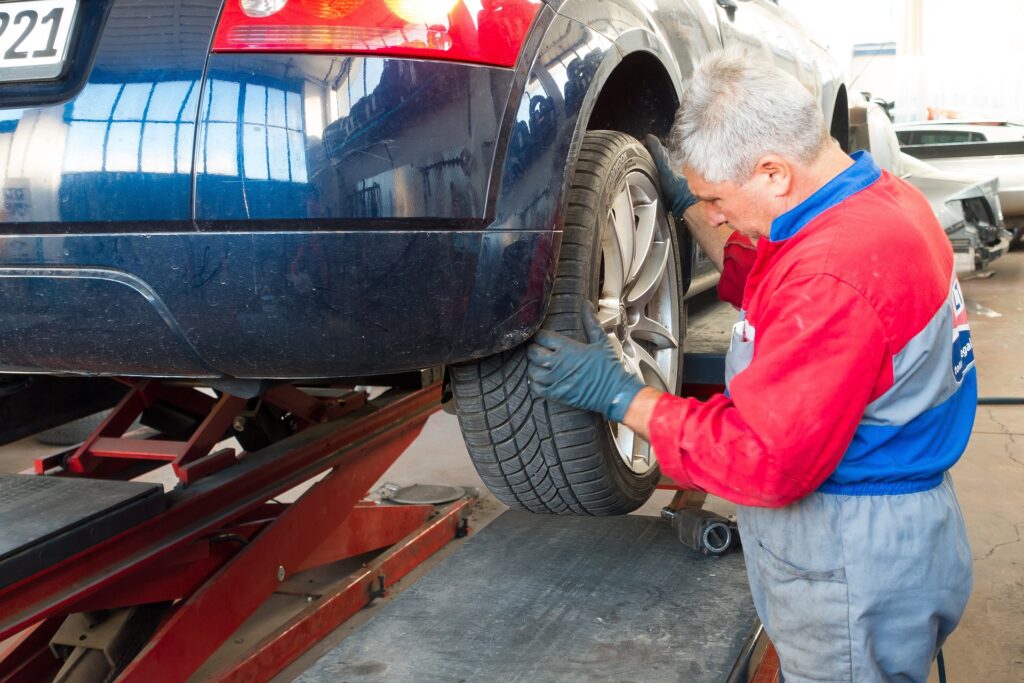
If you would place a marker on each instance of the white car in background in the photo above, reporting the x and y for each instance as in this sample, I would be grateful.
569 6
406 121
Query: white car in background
966 204
981 147
956 132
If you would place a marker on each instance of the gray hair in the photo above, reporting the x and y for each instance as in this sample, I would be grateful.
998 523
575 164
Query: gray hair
735 110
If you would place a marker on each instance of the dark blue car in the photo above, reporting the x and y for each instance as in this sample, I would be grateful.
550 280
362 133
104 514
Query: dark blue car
313 189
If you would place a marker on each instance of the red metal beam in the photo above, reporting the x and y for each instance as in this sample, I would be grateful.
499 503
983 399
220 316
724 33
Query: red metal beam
136 449
221 605
310 626
28 658
192 472
210 431
140 397
162 583
767 670
216 500
369 527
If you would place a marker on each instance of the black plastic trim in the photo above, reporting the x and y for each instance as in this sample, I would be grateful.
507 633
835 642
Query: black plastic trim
92 16
255 226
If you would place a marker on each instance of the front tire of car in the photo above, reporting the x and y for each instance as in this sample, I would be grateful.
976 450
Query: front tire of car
620 250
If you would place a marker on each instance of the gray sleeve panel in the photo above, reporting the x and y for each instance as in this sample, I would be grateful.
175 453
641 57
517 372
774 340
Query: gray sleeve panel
922 372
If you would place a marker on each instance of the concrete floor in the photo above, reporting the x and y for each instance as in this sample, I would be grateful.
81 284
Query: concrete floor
989 478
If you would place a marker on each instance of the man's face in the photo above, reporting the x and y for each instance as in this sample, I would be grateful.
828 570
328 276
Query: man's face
748 207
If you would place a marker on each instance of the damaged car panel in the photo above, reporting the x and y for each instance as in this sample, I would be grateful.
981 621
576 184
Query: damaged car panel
967 205
984 148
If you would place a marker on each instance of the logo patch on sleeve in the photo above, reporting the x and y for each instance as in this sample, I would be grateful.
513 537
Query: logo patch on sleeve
963 349
963 354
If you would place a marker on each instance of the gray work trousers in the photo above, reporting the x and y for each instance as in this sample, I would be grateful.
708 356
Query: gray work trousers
858 588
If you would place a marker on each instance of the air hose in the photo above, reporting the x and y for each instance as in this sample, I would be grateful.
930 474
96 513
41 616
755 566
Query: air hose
1001 401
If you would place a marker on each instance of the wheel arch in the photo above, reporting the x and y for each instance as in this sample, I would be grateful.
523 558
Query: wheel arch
598 91
638 97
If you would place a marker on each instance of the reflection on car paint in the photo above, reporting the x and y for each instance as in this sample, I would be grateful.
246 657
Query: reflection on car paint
264 143
361 136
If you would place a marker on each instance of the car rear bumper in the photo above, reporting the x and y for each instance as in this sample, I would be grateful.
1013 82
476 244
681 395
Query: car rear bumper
270 304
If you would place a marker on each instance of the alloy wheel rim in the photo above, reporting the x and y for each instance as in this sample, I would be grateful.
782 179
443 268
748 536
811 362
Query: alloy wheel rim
638 305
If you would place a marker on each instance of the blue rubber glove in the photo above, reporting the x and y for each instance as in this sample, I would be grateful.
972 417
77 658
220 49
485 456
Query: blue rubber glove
673 185
588 376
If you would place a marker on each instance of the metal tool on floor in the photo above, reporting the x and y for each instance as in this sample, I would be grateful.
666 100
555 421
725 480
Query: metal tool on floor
702 530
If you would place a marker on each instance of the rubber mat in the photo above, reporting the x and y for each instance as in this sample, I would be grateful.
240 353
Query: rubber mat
542 598
46 519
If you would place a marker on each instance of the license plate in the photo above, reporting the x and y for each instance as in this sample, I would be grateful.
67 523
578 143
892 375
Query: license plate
34 37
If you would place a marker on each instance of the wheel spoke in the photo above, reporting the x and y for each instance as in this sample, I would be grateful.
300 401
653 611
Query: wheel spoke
609 313
652 272
617 347
626 439
649 369
613 278
629 359
654 332
646 228
641 451
623 223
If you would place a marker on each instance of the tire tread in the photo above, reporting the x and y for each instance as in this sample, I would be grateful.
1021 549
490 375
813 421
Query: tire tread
531 454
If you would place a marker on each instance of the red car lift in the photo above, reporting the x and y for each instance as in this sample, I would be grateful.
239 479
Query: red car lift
217 545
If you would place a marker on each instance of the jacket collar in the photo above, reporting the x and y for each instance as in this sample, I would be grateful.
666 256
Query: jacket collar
861 174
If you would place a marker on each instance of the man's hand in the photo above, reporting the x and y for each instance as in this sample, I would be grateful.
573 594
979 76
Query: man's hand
588 376
673 185
711 238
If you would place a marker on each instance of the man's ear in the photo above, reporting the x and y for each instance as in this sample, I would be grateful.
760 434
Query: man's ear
776 174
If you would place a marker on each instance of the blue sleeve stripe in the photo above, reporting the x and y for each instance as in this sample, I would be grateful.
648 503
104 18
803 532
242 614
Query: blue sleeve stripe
923 376
920 450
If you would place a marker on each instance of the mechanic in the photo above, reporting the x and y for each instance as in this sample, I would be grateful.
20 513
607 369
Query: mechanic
850 381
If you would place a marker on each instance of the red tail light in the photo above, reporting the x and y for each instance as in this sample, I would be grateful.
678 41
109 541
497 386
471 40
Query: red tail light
478 31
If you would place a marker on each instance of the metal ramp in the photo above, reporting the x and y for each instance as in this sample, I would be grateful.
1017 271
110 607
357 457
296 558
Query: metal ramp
536 598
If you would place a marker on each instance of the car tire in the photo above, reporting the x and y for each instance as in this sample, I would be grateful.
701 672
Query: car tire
73 432
546 457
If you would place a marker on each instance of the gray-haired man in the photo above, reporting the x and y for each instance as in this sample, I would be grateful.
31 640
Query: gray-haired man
851 381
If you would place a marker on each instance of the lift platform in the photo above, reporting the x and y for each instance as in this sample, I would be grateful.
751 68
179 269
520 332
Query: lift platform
708 332
579 599
101 575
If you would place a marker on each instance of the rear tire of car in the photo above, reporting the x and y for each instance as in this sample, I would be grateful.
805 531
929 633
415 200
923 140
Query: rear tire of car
545 457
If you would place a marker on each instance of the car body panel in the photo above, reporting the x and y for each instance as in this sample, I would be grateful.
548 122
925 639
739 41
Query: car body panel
345 137
977 240
1009 168
307 215
301 304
